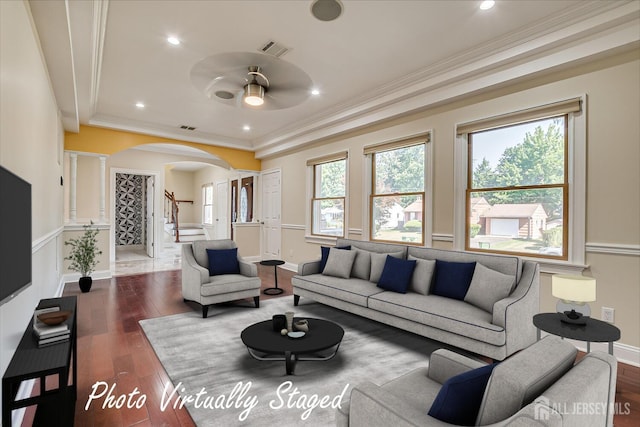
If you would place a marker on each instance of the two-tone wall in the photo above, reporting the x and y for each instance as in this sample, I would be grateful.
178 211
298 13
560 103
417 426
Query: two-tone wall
612 88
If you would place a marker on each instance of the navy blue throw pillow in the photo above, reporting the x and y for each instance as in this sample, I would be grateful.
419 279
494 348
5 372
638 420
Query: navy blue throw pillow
396 274
452 279
324 251
223 261
460 397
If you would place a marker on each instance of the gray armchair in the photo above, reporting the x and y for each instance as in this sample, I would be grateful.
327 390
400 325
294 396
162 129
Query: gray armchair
199 286
539 386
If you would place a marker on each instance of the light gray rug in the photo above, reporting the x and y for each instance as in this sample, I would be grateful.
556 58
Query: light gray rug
206 356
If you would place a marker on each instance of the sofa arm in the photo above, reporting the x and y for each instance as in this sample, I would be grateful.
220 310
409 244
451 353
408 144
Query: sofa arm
444 364
309 267
372 406
190 267
248 269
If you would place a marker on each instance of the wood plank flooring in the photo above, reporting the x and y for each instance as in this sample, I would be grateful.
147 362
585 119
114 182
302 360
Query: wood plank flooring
112 348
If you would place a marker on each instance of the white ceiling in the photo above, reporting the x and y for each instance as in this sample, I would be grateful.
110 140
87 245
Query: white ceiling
380 59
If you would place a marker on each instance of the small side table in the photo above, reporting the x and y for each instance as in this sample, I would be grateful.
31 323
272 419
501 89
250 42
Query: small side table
275 263
594 331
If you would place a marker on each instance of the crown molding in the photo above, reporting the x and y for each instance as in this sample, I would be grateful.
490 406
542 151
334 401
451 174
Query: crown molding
99 27
596 29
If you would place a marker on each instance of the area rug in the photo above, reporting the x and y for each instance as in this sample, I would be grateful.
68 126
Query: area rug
224 386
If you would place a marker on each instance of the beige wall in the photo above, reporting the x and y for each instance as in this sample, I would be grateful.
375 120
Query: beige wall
30 146
613 176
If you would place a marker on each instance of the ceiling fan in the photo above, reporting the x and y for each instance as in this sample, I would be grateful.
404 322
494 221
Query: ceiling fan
251 80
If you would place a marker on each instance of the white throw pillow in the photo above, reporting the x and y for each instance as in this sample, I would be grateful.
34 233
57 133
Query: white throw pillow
362 264
487 287
377 264
422 275
339 263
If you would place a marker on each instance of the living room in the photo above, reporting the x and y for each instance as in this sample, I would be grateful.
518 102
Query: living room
596 60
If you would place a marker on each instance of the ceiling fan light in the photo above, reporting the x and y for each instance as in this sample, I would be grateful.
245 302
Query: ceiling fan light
254 94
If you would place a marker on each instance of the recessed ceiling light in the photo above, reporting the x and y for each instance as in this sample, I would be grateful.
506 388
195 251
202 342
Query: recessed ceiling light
173 40
487 4
246 128
139 104
315 92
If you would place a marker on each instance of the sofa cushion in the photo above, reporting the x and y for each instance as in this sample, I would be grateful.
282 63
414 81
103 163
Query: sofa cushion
229 283
396 275
518 380
378 261
443 313
422 275
459 399
362 264
324 254
487 287
223 261
339 263
452 279
355 291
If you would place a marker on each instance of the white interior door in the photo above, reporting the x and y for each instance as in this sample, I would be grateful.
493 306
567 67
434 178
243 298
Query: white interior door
271 214
150 244
222 219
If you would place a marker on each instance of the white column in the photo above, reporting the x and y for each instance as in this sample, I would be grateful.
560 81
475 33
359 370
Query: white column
73 169
102 193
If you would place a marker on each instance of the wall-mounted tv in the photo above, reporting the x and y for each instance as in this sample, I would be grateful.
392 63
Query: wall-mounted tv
15 235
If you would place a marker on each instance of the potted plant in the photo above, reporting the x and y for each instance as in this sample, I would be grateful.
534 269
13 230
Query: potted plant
83 254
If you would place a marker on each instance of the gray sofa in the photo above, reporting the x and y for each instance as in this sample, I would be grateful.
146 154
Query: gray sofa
495 331
539 386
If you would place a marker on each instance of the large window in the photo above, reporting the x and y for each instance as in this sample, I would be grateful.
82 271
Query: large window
518 192
397 200
329 195
207 204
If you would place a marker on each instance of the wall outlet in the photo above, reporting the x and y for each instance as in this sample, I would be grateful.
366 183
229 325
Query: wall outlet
608 314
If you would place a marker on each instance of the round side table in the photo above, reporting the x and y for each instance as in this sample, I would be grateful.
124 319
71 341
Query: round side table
275 263
594 331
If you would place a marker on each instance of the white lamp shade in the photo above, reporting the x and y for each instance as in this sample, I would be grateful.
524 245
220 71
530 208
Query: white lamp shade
573 288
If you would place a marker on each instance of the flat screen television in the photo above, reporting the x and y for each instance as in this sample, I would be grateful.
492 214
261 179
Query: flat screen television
15 235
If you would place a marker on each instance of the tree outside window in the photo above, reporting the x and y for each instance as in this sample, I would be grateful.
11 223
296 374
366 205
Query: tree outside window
517 189
397 200
329 194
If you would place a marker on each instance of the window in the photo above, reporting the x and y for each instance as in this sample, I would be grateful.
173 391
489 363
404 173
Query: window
397 200
207 204
329 195
518 194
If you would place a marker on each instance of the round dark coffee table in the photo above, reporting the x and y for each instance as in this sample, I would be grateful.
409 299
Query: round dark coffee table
319 344
275 263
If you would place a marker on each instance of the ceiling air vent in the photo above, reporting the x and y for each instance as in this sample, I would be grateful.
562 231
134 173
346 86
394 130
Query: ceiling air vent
274 49
185 127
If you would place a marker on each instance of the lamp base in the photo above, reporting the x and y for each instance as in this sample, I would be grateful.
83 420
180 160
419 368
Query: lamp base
573 317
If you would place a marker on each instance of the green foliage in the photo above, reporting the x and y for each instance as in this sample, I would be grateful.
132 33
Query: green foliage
538 159
552 238
474 229
84 251
413 225
332 179
400 171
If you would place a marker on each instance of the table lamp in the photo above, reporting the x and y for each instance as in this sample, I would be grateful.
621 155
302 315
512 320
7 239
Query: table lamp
574 292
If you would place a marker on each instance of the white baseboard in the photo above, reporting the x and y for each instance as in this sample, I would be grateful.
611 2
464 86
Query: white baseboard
623 352
74 277
290 266
253 258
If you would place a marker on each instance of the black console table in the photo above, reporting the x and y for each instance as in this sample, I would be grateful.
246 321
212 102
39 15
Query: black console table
57 406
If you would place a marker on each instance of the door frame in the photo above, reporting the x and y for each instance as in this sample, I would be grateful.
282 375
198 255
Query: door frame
157 206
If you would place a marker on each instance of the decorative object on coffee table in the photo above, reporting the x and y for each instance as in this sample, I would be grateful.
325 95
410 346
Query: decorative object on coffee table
279 322
301 325
275 263
289 316
83 254
320 344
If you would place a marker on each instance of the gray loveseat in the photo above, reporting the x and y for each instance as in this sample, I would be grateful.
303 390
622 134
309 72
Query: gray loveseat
540 386
496 330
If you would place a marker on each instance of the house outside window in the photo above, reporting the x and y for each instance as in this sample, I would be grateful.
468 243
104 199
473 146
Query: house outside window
328 202
518 196
207 204
398 202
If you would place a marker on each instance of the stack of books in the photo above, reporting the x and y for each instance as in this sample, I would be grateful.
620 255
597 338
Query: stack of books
46 334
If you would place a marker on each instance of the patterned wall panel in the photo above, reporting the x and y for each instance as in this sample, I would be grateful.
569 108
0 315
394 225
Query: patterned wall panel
130 209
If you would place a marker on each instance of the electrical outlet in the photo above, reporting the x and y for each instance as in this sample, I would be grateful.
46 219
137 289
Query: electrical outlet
608 314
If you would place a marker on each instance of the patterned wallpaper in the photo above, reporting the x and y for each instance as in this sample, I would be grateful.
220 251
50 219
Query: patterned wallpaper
130 209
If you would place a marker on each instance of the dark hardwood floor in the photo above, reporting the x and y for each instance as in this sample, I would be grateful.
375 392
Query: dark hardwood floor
112 348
